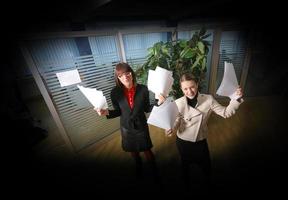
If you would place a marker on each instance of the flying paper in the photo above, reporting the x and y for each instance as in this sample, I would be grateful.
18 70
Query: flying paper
229 83
94 96
160 81
164 116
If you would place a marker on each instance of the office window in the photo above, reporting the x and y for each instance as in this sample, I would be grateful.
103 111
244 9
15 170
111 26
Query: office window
187 35
232 49
94 58
136 45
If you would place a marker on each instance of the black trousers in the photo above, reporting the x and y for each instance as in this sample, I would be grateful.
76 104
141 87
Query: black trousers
194 153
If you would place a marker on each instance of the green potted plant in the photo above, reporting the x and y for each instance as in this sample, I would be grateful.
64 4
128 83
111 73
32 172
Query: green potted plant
178 56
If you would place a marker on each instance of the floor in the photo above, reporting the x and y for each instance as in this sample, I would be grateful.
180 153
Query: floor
248 154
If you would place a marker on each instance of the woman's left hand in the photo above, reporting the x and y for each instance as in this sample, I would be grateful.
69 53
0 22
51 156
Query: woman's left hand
239 92
161 99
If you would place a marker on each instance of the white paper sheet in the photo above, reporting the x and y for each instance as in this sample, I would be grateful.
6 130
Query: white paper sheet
68 77
94 96
160 81
229 82
164 115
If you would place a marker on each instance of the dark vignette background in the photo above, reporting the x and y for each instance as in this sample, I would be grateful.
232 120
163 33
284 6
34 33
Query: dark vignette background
267 19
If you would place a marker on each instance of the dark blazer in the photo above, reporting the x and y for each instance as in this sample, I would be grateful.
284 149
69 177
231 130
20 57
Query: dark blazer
131 119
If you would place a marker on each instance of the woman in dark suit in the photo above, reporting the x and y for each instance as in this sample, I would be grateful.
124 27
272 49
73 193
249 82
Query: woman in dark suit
131 101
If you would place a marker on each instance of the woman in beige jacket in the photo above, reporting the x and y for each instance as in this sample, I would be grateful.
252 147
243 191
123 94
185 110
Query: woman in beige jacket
191 125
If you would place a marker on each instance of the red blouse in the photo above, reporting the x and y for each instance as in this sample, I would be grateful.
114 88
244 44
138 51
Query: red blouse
129 94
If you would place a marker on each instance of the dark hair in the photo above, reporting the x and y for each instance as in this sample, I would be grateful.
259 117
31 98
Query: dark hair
187 76
121 68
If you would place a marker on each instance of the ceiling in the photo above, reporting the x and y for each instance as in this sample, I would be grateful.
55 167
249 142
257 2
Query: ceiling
30 13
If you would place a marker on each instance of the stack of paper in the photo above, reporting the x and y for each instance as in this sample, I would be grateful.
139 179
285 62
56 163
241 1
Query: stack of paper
94 96
160 81
229 82
165 115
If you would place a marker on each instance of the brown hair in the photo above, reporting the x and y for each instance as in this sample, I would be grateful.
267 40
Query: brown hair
121 68
187 76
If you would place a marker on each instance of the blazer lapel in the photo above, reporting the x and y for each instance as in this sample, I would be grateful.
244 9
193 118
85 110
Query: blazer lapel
191 112
124 101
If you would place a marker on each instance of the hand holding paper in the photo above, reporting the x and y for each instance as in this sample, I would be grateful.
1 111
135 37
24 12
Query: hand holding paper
102 112
161 98
169 132
238 94
229 84
165 115
94 96
160 81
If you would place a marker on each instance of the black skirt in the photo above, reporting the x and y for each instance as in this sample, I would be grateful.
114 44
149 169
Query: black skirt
136 140
193 152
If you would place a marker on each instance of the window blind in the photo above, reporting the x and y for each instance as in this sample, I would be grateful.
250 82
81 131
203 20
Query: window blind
82 123
136 46
232 49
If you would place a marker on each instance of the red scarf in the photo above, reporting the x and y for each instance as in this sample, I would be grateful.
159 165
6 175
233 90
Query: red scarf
129 94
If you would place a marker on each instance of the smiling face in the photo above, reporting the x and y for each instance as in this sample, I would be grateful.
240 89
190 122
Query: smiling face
189 88
126 79
124 75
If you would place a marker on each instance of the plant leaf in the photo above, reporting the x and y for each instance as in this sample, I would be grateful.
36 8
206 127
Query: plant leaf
189 54
202 31
197 61
204 64
182 43
201 47
205 36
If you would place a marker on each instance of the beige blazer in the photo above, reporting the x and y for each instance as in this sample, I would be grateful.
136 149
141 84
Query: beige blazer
191 123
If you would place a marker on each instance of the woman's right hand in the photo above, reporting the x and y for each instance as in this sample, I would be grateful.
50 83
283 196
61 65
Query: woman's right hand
169 132
102 112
